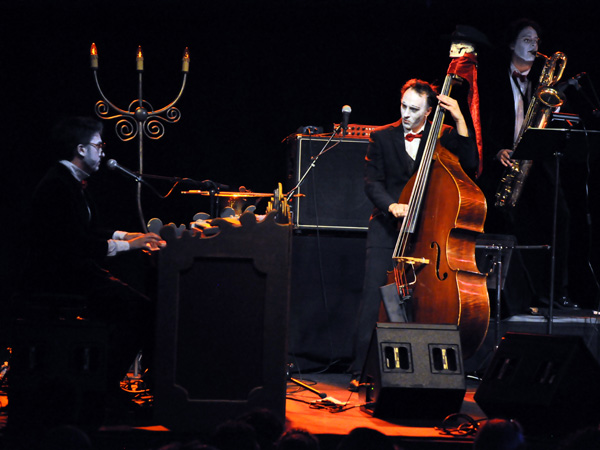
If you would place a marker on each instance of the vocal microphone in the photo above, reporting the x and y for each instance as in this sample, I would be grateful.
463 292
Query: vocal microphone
112 165
573 81
346 110
576 79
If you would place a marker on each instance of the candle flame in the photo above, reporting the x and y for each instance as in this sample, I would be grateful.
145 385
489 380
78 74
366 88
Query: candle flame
139 52
185 67
93 50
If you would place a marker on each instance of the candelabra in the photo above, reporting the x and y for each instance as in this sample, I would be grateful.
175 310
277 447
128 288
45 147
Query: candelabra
140 118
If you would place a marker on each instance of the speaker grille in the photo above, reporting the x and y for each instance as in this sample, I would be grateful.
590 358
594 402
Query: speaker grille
332 195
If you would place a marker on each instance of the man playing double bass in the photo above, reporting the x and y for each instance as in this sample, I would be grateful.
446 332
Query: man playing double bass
393 156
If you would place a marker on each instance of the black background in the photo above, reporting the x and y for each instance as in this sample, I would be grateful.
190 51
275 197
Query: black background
258 71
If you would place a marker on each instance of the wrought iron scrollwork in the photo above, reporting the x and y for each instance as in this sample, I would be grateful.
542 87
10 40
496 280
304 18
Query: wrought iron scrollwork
140 118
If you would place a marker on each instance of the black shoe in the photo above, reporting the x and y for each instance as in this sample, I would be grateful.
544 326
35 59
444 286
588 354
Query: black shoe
354 383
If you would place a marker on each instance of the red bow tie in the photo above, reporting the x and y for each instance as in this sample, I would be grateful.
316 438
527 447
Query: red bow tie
519 76
410 136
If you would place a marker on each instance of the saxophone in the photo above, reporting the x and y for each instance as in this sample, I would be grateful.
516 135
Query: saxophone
544 100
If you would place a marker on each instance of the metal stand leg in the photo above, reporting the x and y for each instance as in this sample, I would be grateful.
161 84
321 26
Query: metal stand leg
498 269
554 231
494 253
307 387
137 364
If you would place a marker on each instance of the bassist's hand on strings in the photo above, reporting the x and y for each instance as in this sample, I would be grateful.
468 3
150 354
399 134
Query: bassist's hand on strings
398 209
504 156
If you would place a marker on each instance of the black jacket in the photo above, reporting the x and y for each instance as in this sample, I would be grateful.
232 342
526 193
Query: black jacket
66 245
388 168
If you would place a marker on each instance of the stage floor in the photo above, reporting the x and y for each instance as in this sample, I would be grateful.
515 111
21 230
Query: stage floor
333 418
339 413
330 422
330 419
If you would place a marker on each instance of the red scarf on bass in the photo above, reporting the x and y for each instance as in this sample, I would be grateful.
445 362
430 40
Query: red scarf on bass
466 67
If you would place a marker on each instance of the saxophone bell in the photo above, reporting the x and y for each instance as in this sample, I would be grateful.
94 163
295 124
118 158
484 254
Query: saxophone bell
550 97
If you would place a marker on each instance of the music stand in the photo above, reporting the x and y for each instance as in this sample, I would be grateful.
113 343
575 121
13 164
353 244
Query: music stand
539 144
494 260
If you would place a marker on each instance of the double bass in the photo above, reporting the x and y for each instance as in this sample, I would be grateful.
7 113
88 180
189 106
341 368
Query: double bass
434 258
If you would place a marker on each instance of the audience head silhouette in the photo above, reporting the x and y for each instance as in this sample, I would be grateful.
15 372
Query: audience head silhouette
297 439
364 438
500 434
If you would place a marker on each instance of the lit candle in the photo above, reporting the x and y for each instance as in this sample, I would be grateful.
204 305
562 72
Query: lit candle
186 61
94 56
140 59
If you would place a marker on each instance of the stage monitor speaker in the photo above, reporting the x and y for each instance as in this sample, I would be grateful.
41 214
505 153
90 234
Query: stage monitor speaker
332 194
413 371
549 383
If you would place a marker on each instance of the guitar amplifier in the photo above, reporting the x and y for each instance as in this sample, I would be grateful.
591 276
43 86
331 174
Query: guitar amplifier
331 195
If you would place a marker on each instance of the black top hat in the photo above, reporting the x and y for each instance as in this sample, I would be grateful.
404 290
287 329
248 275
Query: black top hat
469 34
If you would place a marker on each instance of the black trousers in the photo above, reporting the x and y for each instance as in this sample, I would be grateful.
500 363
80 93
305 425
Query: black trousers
377 264
130 316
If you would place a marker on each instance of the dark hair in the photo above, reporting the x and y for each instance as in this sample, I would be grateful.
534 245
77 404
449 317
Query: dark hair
365 438
500 434
297 439
267 425
235 435
515 27
71 132
66 437
588 437
421 87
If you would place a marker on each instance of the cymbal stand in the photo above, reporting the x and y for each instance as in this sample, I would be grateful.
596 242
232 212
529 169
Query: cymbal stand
214 203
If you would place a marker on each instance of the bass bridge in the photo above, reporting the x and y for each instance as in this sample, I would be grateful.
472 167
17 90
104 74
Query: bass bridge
411 260
405 271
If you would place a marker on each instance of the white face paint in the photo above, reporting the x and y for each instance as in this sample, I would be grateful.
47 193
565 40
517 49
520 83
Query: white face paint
526 45
414 110
92 155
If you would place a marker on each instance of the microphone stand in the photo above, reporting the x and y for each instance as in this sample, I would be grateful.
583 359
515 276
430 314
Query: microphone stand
177 180
213 187
307 387
596 111
139 178
314 160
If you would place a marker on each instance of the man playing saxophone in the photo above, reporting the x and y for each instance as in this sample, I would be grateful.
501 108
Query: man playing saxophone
506 95
524 51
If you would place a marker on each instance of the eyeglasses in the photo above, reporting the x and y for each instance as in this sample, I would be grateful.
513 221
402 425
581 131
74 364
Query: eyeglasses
99 146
